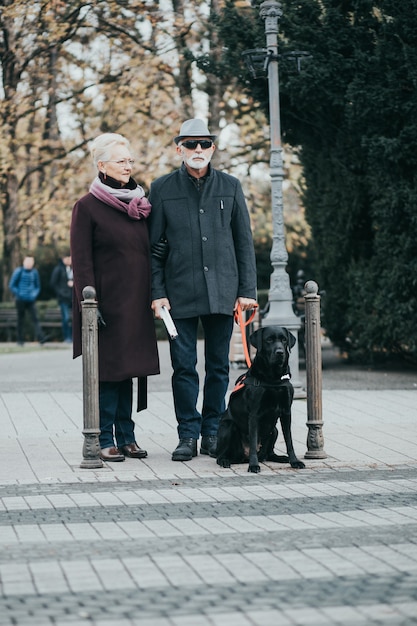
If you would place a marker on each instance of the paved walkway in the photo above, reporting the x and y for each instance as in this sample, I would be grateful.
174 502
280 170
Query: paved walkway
158 543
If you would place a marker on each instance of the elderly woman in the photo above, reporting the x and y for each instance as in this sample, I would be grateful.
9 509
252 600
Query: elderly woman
110 252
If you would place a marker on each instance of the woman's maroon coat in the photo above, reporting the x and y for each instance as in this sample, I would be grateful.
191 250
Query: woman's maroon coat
110 252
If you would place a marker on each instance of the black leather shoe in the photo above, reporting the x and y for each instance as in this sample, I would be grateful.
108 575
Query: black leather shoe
209 445
111 454
185 450
133 451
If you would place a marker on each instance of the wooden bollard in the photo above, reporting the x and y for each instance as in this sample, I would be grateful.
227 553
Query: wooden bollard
315 439
91 430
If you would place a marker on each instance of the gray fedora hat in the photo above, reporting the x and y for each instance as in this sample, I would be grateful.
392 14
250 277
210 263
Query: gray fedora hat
193 128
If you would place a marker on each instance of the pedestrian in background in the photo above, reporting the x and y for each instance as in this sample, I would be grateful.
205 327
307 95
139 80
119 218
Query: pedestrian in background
25 285
62 283
203 265
110 252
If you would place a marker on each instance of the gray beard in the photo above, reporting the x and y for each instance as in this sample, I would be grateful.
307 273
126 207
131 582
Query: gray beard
198 165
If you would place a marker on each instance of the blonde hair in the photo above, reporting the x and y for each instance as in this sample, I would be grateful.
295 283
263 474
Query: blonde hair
102 146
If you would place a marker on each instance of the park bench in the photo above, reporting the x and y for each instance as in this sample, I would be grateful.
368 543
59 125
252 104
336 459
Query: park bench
51 318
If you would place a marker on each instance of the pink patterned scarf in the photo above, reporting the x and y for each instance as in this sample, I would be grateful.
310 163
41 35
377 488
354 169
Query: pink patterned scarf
130 201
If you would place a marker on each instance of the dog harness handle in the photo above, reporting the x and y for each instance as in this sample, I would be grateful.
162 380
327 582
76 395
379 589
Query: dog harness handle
241 322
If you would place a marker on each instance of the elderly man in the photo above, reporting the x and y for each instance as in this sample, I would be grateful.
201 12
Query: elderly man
203 265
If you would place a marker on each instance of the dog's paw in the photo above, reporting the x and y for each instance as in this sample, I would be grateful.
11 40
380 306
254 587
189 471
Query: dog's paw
255 469
297 464
223 462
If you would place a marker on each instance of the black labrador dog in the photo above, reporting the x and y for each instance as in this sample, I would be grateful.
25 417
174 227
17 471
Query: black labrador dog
264 394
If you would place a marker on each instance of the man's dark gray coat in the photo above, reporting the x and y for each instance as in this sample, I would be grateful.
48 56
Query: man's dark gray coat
211 259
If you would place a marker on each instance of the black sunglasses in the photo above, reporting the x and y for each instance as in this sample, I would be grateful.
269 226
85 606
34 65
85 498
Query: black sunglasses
191 144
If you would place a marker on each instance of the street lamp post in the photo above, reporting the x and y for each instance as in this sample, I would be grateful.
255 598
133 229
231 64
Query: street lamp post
280 295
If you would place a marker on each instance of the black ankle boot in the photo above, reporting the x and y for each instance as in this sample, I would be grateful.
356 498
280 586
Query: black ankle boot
185 450
209 445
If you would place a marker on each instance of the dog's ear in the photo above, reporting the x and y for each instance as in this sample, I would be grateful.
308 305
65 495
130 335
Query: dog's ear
256 339
291 339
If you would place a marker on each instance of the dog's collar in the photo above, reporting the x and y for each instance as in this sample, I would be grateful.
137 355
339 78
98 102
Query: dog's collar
249 379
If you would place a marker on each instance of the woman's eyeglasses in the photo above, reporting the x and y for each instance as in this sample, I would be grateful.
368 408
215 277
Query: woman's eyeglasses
124 162
191 144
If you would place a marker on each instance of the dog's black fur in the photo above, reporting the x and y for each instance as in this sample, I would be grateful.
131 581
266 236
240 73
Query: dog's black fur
248 427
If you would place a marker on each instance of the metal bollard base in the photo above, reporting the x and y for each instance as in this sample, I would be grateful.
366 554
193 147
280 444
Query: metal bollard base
91 464
315 454
299 392
315 440
91 451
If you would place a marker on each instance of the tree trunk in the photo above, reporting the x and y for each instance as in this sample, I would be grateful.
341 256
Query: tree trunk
184 81
214 86
11 242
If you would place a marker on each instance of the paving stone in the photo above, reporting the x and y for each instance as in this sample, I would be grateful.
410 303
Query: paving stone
155 543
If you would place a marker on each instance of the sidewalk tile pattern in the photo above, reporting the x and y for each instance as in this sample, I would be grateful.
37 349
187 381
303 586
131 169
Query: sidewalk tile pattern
157 543
297 548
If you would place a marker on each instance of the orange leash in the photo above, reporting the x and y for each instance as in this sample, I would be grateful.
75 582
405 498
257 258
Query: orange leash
239 320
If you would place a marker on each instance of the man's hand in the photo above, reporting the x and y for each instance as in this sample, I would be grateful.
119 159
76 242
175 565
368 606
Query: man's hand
246 304
157 304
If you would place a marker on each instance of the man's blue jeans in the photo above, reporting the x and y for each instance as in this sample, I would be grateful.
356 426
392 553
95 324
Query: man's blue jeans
66 321
115 408
185 381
